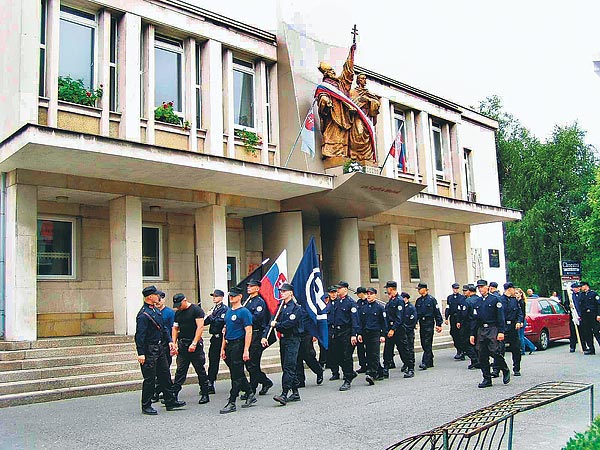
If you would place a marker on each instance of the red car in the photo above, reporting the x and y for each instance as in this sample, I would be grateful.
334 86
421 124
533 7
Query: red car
547 320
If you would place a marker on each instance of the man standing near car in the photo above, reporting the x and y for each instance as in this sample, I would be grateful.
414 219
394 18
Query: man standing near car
573 337
589 302
514 321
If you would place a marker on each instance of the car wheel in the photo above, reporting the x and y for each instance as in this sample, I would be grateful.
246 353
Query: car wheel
544 340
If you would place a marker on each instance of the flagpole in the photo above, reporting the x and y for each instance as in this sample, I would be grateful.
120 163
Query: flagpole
275 318
388 153
299 133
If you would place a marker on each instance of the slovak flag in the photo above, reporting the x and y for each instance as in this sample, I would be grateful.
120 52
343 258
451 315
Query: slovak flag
398 149
308 134
272 281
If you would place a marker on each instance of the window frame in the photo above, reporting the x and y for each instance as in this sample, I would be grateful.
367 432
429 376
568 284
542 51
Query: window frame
245 68
78 17
437 127
469 171
161 272
413 245
43 48
198 85
176 46
74 247
113 58
372 265
400 116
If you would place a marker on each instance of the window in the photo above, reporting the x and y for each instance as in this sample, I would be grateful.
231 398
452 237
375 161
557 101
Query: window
56 248
198 89
494 257
469 175
545 307
168 62
268 91
400 140
113 99
413 261
558 307
77 44
436 142
152 252
42 81
243 93
373 271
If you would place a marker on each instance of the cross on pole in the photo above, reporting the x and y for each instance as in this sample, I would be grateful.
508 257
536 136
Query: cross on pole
354 34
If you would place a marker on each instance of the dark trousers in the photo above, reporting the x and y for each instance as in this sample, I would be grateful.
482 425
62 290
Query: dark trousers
591 330
156 367
307 353
322 355
362 354
288 352
340 353
457 337
214 357
257 376
488 345
167 352
573 336
234 352
399 341
470 350
197 359
426 335
410 348
512 340
373 352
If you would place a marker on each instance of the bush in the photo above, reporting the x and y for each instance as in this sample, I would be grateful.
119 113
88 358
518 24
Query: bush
250 139
589 440
74 91
165 114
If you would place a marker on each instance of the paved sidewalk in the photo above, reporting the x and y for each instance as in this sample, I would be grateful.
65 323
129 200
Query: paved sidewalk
365 417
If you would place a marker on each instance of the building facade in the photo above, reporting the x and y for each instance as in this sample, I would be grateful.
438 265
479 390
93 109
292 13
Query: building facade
175 174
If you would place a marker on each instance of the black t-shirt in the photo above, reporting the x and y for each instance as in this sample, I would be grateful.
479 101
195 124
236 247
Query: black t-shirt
186 321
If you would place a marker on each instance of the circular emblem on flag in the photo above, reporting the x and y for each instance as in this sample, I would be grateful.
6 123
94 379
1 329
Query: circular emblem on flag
259 308
499 305
353 309
233 317
292 316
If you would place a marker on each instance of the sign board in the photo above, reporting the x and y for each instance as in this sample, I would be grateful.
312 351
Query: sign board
570 268
570 278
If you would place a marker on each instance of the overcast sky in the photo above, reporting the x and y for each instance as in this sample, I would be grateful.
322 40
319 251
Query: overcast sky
536 54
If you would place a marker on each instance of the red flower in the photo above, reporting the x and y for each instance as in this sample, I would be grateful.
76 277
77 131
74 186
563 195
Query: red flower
101 86
170 103
89 94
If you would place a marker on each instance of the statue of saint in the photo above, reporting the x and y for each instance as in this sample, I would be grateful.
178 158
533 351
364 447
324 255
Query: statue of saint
361 146
335 116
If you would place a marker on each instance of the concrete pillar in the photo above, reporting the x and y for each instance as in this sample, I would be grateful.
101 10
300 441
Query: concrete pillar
149 82
211 251
52 53
274 108
261 109
283 231
461 257
104 69
428 249
189 48
128 57
21 263
212 96
387 246
228 106
341 251
458 162
425 152
126 261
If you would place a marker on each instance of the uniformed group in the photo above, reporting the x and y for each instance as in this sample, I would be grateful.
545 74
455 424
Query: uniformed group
587 304
482 327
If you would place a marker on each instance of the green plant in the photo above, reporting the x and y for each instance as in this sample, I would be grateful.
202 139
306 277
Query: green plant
74 91
166 114
250 139
352 165
588 440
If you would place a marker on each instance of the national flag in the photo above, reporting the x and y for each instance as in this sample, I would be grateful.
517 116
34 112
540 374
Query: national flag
256 274
398 149
272 281
308 134
308 290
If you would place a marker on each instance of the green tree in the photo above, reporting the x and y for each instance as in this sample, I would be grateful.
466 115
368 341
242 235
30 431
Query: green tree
590 235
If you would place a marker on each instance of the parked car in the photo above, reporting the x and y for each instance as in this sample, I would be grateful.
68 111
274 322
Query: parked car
547 320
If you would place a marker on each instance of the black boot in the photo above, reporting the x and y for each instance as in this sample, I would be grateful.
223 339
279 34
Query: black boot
211 388
487 382
506 376
345 386
204 398
250 400
409 373
495 373
281 398
295 397
228 408
175 404
149 410
334 376
266 387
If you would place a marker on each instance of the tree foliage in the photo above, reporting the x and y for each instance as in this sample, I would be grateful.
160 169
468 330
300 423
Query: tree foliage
549 181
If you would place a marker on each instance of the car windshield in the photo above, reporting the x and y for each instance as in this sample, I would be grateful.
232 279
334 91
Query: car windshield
528 307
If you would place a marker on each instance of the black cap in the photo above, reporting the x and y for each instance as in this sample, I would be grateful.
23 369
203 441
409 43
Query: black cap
508 285
455 286
575 285
361 290
218 293
253 283
370 290
584 283
472 288
286 287
404 295
235 291
332 288
149 290
162 295
343 284
391 284
481 283
465 287
493 284
177 299
422 286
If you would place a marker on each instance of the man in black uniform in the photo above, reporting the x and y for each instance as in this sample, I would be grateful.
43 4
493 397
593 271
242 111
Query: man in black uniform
289 324
306 352
361 293
589 302
373 329
573 337
455 307
149 334
488 328
513 314
471 301
343 322
429 315
215 321
493 289
396 334
260 322
187 335
328 298
409 322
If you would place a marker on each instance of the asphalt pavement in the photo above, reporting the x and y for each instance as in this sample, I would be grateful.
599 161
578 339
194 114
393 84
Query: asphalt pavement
363 418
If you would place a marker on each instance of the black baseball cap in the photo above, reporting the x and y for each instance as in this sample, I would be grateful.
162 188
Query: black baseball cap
422 286
391 284
149 290
286 287
218 293
404 295
254 283
235 291
584 283
508 285
361 290
455 286
370 290
493 284
472 288
482 283
177 299
343 284
575 285
465 287
332 289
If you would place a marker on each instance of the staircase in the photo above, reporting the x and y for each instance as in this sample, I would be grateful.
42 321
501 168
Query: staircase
60 368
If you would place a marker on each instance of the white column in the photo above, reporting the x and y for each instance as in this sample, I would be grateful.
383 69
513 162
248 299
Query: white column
128 57
52 53
461 257
21 263
283 231
448 157
424 150
341 251
190 91
385 137
274 104
228 111
149 81
458 162
428 250
411 143
387 246
104 70
211 250
126 261
261 109
212 97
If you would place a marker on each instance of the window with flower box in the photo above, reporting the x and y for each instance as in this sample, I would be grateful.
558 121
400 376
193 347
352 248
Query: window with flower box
168 82
77 45
243 93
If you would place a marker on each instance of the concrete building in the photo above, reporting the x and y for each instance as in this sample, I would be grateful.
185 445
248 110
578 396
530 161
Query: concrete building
100 198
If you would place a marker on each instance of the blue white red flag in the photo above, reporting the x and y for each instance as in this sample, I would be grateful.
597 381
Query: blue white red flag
398 149
308 134
335 92
272 281
308 289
